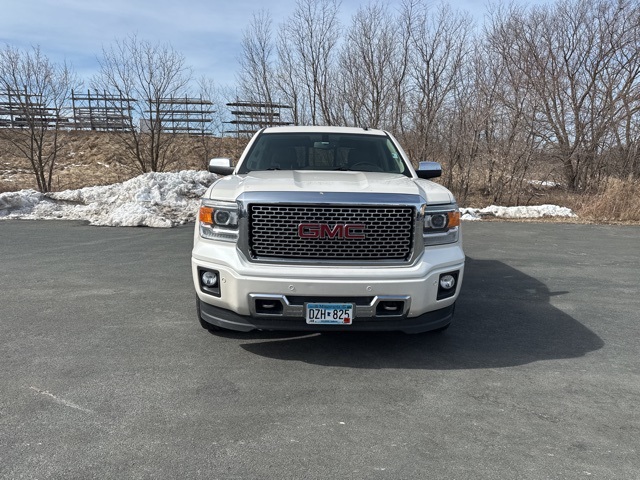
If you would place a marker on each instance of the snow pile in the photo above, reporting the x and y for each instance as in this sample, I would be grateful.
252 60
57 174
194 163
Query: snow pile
169 199
152 200
537 211
19 203
543 183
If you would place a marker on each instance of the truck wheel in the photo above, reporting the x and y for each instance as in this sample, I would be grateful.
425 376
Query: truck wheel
205 325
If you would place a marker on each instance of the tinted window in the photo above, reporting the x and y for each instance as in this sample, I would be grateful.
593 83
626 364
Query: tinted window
320 151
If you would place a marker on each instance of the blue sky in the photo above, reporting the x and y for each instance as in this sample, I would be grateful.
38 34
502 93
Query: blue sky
207 32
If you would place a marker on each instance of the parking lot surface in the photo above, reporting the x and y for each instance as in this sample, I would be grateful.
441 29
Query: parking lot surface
105 372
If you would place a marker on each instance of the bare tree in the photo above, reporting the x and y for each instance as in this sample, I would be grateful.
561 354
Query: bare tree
460 124
439 42
38 90
505 125
256 76
626 152
306 49
211 142
148 75
581 63
287 80
368 65
400 113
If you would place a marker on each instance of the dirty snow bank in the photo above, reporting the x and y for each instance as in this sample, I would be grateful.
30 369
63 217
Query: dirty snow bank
536 211
152 200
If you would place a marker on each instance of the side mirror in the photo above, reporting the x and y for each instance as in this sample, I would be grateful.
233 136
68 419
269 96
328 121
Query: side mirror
429 170
221 166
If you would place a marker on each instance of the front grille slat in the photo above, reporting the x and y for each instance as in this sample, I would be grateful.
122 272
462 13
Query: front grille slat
273 232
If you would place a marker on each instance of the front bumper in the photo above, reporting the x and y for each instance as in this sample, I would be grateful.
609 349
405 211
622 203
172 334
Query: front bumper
232 321
243 285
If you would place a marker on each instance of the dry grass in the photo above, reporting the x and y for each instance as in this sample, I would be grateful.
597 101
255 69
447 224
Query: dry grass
89 158
618 202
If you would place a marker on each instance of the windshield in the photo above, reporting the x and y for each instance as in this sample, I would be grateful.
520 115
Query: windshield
324 151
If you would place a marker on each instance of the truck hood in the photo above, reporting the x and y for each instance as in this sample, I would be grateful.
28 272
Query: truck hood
230 187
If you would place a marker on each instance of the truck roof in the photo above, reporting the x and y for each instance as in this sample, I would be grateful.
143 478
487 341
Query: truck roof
324 129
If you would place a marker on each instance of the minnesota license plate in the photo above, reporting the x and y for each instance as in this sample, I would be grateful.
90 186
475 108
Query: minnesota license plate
329 313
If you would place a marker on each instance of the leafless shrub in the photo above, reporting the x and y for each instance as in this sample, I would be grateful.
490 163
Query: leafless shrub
38 90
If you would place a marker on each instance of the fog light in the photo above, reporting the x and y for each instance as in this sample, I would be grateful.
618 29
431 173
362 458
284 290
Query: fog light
209 279
447 282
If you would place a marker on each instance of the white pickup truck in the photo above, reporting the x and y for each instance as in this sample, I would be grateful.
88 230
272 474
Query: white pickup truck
323 229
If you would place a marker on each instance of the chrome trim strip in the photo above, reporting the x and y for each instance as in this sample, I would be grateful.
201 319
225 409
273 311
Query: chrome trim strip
363 311
331 198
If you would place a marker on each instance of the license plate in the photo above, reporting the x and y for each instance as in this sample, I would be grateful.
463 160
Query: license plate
329 313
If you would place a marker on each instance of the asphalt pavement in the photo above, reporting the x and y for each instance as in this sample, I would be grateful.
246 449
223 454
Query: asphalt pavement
105 372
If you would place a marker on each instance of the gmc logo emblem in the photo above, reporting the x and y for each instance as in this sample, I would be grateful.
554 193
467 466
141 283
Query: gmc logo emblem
349 231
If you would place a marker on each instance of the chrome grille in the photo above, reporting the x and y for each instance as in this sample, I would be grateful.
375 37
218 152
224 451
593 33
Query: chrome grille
273 232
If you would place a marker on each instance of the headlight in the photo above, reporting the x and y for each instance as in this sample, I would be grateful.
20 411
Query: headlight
437 221
218 220
441 225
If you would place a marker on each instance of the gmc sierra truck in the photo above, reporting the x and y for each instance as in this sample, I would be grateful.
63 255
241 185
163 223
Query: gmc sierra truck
323 229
